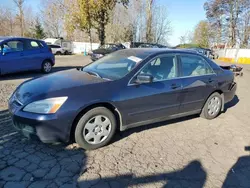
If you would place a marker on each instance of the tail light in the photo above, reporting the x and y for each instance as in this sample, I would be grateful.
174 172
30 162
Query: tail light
50 50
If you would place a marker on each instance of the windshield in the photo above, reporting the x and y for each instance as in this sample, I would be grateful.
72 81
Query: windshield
107 46
116 65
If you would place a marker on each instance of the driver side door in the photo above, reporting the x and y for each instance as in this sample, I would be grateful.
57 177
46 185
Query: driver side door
155 101
13 60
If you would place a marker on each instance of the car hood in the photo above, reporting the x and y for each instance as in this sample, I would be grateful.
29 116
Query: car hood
101 51
47 85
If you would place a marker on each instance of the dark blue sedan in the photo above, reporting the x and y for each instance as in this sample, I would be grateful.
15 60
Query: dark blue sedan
125 89
24 54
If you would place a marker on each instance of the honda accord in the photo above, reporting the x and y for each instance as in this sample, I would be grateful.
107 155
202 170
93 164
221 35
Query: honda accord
125 89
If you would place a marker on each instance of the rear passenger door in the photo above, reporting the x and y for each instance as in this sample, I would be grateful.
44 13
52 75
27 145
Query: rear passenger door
33 54
198 81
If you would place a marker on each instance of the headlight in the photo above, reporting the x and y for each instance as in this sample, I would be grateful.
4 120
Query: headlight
47 106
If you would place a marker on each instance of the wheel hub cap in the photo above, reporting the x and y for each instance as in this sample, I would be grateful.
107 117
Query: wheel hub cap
214 106
97 129
47 67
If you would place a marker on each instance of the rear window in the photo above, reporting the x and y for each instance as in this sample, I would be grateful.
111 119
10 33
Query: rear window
41 44
65 45
32 45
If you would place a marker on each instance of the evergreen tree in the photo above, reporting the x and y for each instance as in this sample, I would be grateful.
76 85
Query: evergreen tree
38 31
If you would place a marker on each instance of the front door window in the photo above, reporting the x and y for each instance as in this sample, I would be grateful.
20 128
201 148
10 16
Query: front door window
161 68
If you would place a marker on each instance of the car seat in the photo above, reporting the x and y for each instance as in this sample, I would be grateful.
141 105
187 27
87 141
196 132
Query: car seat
200 69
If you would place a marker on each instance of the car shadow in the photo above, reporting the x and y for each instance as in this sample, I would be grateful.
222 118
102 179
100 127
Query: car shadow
193 175
31 163
238 175
232 103
34 74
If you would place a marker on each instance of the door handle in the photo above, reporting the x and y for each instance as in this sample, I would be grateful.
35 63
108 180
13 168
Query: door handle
175 86
21 54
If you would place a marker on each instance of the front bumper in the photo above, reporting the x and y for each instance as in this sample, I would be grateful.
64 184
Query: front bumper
46 128
95 57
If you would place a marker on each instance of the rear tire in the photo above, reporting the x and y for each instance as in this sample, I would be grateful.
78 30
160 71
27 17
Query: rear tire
58 53
46 67
212 107
95 128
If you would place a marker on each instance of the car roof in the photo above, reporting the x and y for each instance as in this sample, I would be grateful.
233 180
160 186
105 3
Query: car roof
156 51
18 38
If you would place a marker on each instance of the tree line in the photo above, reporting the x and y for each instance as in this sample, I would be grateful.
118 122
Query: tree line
227 23
89 20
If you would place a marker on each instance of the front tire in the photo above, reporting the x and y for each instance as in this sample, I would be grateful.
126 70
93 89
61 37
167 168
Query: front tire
95 128
212 107
46 67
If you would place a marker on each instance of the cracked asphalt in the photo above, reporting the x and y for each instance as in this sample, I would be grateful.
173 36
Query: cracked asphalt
189 152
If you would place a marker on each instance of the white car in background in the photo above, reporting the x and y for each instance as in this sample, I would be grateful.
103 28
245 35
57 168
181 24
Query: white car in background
66 45
56 49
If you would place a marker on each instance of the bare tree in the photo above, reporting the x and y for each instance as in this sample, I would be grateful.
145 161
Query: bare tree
20 16
226 17
161 26
149 34
121 26
138 19
244 25
53 14
246 31
189 36
183 39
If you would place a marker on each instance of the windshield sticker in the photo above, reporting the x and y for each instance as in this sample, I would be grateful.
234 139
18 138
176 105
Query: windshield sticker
135 59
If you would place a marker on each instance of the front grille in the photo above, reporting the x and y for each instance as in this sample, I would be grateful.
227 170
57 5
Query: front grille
24 127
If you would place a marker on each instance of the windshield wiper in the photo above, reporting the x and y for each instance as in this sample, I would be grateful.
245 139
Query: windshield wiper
93 73
96 74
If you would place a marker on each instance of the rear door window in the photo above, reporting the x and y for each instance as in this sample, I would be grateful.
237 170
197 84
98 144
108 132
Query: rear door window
192 65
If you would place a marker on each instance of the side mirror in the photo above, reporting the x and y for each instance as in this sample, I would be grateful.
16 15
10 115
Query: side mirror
144 78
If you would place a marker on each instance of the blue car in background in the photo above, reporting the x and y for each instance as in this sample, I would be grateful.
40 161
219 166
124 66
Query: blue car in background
24 54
